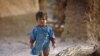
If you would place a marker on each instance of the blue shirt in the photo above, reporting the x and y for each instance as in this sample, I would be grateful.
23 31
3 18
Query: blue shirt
42 36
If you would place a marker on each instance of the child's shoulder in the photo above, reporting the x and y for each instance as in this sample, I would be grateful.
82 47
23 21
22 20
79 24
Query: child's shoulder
35 27
49 27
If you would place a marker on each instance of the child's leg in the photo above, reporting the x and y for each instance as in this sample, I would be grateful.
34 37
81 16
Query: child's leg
40 54
46 52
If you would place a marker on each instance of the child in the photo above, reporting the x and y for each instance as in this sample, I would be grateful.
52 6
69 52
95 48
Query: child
41 35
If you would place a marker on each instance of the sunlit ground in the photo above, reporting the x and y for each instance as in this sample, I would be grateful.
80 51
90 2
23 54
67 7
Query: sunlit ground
19 47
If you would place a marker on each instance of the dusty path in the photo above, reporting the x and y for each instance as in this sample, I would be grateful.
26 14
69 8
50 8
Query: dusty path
15 47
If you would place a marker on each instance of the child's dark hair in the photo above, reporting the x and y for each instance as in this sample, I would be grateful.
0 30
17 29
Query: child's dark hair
40 15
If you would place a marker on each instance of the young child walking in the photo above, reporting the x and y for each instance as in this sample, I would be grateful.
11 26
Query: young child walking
41 36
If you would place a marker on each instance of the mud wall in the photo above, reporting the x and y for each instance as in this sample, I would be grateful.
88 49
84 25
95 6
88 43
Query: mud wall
17 18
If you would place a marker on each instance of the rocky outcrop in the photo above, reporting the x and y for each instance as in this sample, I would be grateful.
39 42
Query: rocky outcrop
79 50
81 22
75 23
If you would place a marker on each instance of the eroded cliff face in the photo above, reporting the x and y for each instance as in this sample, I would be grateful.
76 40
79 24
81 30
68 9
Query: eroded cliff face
75 24
80 17
81 20
93 24
17 17
82 25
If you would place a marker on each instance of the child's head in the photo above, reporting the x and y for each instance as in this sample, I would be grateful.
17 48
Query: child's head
41 18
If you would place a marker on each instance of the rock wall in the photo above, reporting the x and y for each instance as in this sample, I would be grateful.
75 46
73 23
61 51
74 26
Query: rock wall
82 20
75 24
17 17
93 24
82 25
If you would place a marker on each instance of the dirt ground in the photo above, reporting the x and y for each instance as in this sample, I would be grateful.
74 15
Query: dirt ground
15 46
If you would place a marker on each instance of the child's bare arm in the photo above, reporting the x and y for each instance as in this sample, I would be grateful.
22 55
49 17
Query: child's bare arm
53 42
31 42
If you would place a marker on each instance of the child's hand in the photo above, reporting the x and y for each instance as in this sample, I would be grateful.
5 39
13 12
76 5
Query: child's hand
54 45
31 46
